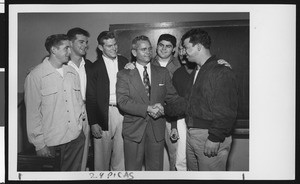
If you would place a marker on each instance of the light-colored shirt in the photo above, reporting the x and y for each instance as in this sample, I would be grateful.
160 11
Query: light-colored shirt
54 105
82 75
163 63
112 70
141 70
196 74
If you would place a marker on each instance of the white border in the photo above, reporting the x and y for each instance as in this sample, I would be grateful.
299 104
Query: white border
2 159
264 151
2 145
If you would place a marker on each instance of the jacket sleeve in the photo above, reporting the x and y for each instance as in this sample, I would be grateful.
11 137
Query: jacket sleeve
33 100
91 95
224 103
124 99
175 105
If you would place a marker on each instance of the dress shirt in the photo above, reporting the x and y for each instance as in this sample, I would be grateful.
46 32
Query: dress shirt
82 75
141 70
196 74
112 70
54 106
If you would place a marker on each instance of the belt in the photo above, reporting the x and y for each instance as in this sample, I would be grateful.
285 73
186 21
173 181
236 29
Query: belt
113 105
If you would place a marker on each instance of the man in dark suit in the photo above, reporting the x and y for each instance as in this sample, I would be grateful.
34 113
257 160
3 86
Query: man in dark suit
103 114
140 93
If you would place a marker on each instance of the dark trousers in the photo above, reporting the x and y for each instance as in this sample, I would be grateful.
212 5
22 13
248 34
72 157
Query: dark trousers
70 153
148 148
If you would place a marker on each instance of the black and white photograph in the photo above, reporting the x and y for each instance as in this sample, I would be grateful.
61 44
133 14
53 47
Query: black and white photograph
119 92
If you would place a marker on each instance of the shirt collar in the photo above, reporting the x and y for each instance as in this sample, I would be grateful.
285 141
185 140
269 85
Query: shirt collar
82 63
109 59
141 67
156 59
49 69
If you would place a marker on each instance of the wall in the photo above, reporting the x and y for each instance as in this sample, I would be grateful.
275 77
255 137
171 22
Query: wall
33 28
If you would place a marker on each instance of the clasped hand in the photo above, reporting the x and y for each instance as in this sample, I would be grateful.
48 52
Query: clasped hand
156 110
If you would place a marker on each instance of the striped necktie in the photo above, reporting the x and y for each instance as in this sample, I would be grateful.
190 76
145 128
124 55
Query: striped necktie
146 81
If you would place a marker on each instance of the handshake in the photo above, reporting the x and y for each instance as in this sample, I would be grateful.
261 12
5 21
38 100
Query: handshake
156 110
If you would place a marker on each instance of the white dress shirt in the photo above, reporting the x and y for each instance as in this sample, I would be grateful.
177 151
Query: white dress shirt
112 70
196 74
82 75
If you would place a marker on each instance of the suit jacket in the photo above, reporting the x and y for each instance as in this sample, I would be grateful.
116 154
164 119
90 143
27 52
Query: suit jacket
133 101
97 92
87 65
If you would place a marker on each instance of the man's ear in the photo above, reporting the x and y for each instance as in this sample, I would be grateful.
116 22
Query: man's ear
53 50
100 47
133 51
174 50
71 43
199 46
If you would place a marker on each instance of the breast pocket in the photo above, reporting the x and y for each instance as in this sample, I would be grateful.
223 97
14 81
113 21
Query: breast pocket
77 92
161 91
49 95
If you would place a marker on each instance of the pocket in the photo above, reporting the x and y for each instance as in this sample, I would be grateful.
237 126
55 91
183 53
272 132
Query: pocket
49 95
76 89
77 92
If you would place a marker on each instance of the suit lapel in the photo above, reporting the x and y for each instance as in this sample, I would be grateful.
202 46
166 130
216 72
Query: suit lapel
155 76
136 81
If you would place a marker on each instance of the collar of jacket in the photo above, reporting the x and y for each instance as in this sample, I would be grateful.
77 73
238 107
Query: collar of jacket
208 62
155 60
49 69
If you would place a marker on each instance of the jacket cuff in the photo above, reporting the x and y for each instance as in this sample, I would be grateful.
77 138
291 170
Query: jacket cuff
215 138
39 146
173 125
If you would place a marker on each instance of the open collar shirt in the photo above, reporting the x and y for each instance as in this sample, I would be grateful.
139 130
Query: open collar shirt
54 105
82 75
112 70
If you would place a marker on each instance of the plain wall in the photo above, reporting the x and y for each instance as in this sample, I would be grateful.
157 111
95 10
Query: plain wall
33 29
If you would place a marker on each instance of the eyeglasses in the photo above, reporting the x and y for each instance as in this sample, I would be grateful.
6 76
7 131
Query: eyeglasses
145 49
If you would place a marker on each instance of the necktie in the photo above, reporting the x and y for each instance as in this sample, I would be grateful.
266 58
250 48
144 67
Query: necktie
146 81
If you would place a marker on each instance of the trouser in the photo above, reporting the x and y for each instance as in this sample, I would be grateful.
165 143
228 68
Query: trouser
177 150
171 147
86 131
109 150
70 153
181 146
196 160
148 149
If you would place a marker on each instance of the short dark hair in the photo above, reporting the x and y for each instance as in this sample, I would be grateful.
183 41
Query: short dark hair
77 31
54 41
196 36
105 35
169 38
139 38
